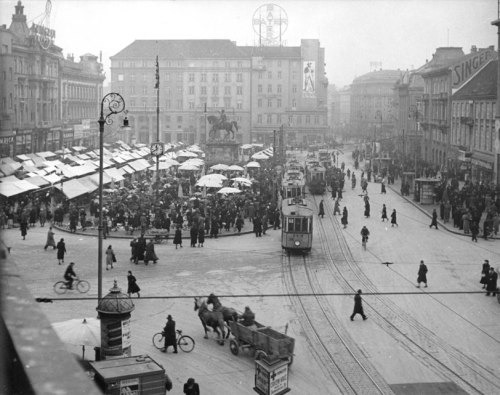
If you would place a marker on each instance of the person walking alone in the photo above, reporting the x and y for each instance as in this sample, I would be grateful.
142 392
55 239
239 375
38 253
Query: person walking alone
358 306
50 240
394 220
61 250
110 257
344 217
422 275
132 285
485 271
434 219
321 212
384 213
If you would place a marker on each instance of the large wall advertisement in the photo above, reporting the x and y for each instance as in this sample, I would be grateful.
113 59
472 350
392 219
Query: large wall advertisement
309 85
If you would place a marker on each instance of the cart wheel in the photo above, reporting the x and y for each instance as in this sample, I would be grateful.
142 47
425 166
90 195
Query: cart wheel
234 346
259 354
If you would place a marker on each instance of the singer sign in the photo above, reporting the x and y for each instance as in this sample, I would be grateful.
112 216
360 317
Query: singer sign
464 70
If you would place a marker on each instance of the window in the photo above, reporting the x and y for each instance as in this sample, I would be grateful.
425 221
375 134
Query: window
227 102
168 104
269 88
308 119
191 90
294 103
179 104
167 118
260 75
278 103
269 118
179 90
299 120
259 118
227 64
179 118
227 77
203 90
269 103
279 88
239 105
294 88
132 102
132 90
316 119
239 77
240 64
167 77
215 90
144 103
278 118
203 77
259 103
191 105
239 90
215 77
120 77
168 92
144 77
191 77
270 74
144 90
227 90
259 88
279 63
178 76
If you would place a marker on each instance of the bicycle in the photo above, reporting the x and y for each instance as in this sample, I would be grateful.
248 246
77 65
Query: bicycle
82 286
185 342
364 240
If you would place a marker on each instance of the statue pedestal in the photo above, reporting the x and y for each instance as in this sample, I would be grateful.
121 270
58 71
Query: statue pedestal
221 151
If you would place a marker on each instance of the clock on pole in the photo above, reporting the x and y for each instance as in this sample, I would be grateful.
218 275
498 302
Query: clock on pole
157 148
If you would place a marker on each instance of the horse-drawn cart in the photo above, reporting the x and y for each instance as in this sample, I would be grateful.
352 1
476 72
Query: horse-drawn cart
263 340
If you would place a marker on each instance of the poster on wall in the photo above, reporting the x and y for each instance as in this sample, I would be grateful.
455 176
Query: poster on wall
126 338
309 85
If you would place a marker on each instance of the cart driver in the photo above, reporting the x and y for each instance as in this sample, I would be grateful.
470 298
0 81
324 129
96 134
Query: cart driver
70 275
248 318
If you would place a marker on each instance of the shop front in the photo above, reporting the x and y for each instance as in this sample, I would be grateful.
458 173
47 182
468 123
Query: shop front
7 144
482 168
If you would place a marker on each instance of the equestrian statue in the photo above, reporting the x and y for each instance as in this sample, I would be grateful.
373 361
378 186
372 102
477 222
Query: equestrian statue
221 123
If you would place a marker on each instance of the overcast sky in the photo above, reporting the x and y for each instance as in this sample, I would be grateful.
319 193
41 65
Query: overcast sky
398 33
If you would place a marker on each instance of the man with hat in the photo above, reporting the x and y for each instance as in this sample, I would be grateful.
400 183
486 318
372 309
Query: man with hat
485 273
169 333
491 286
191 387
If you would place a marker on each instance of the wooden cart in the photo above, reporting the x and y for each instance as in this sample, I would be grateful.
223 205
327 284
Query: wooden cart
262 340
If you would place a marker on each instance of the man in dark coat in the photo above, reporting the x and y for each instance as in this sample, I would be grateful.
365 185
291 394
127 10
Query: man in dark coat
150 254
140 248
434 219
61 250
491 286
485 271
170 338
394 220
133 250
422 275
191 387
321 212
358 306
344 217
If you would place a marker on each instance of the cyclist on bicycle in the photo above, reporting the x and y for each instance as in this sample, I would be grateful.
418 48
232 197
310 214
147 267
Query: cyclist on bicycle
70 275
364 234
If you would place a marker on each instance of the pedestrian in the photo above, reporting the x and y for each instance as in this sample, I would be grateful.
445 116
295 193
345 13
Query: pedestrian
434 219
257 226
24 228
239 223
336 208
382 185
201 235
422 275
193 232
191 387
474 230
51 242
110 257
133 250
150 253
485 271
140 249
384 213
61 250
358 306
178 237
491 286
321 212
169 333
367 209
132 285
344 217
394 220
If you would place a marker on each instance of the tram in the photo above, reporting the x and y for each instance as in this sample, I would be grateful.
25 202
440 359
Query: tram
324 158
316 178
297 225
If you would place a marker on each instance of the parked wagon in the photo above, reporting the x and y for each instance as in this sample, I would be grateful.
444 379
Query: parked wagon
264 341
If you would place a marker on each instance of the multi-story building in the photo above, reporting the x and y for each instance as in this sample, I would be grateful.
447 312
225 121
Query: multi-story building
260 88
372 111
339 111
32 71
473 125
447 72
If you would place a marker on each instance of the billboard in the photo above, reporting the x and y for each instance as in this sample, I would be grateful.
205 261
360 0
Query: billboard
309 78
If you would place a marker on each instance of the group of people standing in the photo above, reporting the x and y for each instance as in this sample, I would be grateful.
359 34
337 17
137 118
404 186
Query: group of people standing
489 278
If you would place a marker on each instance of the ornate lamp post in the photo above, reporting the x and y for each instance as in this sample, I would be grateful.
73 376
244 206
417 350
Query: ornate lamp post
112 103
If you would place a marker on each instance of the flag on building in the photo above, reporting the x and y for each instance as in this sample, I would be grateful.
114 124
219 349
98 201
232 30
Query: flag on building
157 83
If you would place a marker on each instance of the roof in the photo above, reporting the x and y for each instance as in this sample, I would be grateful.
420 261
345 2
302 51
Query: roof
482 85
181 49
272 52
379 76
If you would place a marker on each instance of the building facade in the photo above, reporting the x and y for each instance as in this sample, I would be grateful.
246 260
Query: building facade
33 75
372 105
261 88
473 125
339 111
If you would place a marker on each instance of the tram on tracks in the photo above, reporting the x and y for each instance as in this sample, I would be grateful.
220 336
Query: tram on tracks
297 225
315 177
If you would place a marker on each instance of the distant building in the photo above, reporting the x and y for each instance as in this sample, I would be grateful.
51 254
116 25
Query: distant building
43 97
261 88
473 125
339 110
372 112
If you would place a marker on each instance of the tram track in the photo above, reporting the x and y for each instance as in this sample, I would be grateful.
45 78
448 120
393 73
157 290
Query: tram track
422 343
332 345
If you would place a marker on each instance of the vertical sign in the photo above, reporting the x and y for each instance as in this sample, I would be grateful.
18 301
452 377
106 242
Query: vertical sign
309 84
279 380
126 338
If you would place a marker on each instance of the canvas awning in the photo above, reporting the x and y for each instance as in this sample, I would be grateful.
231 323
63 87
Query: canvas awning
38 181
114 174
9 189
73 188
126 169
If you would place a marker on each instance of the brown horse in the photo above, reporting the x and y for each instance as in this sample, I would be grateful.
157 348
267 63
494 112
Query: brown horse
228 313
212 319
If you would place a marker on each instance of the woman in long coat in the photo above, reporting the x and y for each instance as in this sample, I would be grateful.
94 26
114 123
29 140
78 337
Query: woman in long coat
485 273
344 217
150 253
194 235
394 220
50 240
109 257
201 235
24 228
367 209
384 213
491 286
61 250
178 237
132 285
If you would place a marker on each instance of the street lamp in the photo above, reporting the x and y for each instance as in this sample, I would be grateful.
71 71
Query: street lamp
114 104
378 115
413 114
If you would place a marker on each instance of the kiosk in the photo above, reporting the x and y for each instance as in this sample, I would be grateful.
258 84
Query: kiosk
424 190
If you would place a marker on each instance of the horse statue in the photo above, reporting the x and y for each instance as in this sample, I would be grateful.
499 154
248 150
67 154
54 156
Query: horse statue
212 319
228 126
228 313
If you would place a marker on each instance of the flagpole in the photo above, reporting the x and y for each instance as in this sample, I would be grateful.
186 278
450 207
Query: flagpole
157 128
